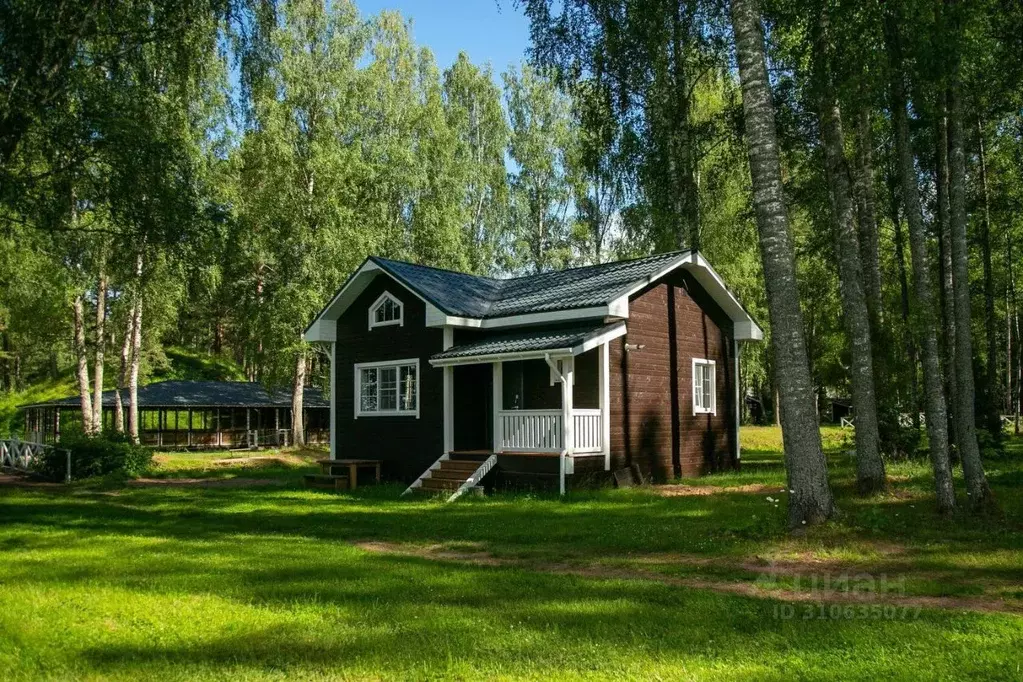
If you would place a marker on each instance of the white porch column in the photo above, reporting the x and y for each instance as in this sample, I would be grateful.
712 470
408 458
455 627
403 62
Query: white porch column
567 425
498 401
449 394
604 367
333 402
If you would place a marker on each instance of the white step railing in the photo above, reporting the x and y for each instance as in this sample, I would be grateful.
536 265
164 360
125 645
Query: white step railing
475 479
587 430
530 430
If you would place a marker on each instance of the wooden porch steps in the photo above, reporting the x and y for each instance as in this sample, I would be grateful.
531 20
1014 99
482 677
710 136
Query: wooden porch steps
455 475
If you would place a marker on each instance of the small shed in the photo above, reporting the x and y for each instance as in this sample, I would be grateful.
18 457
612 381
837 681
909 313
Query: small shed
195 414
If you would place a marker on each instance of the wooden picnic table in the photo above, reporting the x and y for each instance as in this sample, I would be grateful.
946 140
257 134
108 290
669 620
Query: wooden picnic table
352 467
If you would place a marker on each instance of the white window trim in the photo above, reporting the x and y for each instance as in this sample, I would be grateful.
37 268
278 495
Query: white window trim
359 366
400 321
713 409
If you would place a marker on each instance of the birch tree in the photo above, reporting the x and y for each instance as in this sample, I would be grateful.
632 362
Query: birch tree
810 499
923 287
966 430
870 471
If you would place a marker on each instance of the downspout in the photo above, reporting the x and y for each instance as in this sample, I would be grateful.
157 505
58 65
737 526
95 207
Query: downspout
738 404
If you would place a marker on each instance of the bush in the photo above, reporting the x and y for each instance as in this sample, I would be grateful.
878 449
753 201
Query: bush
95 456
897 441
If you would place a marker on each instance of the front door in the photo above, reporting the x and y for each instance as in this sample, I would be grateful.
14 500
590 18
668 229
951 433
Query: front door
473 399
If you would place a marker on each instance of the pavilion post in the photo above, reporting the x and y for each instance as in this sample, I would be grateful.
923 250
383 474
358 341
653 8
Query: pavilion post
189 437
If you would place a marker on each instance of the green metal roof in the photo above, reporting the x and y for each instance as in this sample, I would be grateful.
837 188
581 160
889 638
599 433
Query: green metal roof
564 337
463 295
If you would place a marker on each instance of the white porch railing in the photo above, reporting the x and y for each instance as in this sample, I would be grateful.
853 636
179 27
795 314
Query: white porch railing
531 430
541 430
587 430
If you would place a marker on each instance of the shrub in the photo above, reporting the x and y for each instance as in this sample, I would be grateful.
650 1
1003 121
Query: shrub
897 441
95 456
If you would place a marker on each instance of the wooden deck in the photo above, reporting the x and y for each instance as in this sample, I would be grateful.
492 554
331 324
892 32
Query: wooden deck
488 453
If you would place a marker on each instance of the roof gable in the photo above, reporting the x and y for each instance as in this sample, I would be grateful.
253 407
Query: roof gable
465 295
594 291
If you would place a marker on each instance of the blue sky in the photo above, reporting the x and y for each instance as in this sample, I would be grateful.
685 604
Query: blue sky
487 30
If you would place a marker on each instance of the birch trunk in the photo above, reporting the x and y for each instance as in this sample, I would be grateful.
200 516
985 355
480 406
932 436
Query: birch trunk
900 256
869 250
925 323
810 499
1016 397
101 341
966 430
870 471
136 355
122 375
78 311
992 418
945 263
133 372
297 395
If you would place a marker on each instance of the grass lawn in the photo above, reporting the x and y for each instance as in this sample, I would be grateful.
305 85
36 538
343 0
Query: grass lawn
176 580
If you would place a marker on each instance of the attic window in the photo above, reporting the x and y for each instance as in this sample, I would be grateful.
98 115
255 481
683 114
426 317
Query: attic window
385 311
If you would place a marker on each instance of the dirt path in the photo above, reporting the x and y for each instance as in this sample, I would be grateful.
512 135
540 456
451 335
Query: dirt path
203 482
762 587
23 481
682 490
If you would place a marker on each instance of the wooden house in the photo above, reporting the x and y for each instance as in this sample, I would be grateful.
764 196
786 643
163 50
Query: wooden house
545 379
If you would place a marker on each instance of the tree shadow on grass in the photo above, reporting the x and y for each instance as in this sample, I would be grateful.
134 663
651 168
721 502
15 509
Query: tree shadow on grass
391 615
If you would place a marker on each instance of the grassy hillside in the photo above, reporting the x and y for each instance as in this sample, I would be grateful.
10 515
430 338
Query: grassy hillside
175 363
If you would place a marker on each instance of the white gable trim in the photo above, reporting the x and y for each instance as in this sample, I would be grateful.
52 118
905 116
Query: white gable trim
744 328
324 327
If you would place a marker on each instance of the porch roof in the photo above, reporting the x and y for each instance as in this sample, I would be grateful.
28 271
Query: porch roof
532 343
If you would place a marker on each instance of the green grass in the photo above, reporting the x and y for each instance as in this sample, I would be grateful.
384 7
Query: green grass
184 364
12 419
177 583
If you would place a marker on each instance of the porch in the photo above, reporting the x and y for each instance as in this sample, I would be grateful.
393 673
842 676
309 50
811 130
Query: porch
542 394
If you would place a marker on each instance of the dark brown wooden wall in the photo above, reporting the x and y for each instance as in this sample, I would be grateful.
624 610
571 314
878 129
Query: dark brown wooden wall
407 445
652 420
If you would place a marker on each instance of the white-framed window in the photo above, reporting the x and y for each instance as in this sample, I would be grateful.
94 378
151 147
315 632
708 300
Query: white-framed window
704 387
387 388
385 311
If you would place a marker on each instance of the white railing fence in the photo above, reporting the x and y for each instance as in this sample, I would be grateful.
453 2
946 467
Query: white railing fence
22 455
587 430
541 430
531 430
